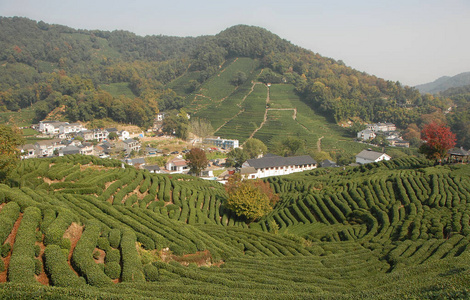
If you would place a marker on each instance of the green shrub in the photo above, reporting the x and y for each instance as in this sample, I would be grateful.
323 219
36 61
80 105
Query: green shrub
37 267
151 272
82 258
112 269
37 250
103 244
54 232
22 262
8 216
114 238
96 254
131 265
57 268
5 249
112 255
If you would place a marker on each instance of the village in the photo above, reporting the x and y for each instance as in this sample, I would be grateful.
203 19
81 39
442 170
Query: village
73 138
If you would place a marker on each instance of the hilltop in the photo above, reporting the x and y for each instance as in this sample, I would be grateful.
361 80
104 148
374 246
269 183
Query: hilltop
97 74
444 83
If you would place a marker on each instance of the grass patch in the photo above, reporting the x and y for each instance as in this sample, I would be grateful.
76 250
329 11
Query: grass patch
118 89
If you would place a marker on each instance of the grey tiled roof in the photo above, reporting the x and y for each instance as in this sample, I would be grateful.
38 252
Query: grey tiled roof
369 154
279 161
458 152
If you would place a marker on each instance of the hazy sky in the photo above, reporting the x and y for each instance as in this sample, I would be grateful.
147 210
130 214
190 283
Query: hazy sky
412 41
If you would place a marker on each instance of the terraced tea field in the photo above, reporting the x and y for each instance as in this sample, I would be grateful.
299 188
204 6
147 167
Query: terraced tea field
82 227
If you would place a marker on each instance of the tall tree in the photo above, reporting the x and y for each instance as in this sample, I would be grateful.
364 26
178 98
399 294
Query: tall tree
254 148
236 157
201 128
438 139
10 140
197 160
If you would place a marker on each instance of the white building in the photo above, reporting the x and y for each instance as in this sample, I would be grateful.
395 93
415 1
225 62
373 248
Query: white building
50 127
222 143
70 128
366 135
47 148
28 151
273 165
369 156
177 165
383 127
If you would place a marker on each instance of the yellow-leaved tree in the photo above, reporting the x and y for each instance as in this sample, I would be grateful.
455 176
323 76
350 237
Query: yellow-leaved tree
251 199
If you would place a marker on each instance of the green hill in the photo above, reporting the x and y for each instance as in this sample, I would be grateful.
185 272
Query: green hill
444 83
119 75
83 227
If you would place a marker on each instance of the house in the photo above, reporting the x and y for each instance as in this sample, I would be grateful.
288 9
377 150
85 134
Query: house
222 143
366 135
398 142
149 151
152 168
47 147
122 134
136 162
177 165
328 164
100 134
28 151
369 156
459 154
383 127
70 128
86 148
57 127
131 145
87 135
248 173
273 165
160 116
50 127
70 149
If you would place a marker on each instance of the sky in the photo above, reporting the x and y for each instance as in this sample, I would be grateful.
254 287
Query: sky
411 41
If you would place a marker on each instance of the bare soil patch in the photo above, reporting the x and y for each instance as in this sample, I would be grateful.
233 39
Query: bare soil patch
11 240
42 278
73 233
200 258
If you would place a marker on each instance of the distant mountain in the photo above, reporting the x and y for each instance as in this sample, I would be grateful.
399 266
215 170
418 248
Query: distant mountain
444 83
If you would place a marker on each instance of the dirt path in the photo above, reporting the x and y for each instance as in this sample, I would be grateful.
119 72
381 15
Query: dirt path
74 232
42 278
265 116
319 144
11 240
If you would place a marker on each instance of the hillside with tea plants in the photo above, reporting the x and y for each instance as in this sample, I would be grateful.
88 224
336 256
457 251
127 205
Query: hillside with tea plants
82 227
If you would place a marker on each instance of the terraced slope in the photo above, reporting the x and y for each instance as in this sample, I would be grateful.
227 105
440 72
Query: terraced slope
83 227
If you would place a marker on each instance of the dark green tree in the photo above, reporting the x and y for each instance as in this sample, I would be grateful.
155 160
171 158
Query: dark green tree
10 140
236 157
254 148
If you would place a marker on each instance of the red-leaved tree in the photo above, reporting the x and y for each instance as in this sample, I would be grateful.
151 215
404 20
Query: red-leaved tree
438 139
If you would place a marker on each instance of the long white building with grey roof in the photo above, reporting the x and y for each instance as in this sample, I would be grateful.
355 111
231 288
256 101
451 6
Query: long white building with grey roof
274 165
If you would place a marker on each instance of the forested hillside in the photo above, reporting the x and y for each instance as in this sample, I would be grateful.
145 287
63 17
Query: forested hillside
125 77
444 83
83 227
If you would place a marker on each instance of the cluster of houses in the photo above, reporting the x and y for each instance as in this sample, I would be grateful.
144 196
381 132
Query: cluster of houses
96 142
389 130
73 138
